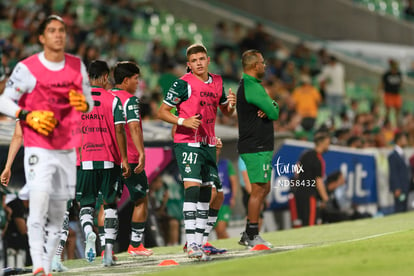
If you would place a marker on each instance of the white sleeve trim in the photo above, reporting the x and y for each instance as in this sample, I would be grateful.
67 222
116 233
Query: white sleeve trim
86 87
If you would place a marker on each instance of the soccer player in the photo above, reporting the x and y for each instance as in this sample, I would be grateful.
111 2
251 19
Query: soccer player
256 112
102 152
126 76
196 95
51 88
14 147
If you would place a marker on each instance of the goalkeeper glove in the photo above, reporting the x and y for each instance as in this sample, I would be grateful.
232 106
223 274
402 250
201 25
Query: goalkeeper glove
40 120
78 101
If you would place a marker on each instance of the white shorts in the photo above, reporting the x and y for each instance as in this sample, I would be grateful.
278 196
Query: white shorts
51 171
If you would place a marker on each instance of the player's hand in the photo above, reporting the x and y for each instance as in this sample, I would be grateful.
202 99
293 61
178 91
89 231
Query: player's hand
141 164
219 143
44 122
5 177
232 100
261 114
126 169
193 122
78 101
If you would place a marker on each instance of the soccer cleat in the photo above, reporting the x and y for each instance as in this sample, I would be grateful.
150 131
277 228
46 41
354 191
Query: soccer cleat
115 258
205 257
244 238
108 259
90 251
185 247
139 251
211 250
195 251
258 240
39 272
57 265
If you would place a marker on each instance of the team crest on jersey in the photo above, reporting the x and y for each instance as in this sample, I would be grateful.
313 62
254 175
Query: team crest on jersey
176 100
33 160
187 169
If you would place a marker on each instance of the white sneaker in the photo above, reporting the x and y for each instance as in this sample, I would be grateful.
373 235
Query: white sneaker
90 251
258 240
57 265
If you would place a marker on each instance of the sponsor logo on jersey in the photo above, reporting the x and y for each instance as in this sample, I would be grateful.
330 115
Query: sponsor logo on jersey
89 116
204 103
208 94
133 107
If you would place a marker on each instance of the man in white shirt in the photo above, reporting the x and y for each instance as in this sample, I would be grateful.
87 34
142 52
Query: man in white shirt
332 79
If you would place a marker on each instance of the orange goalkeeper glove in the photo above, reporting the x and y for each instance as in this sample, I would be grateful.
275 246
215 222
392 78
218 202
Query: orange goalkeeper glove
78 101
40 120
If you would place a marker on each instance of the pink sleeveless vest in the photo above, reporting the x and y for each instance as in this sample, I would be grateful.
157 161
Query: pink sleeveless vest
204 100
98 130
52 93
133 155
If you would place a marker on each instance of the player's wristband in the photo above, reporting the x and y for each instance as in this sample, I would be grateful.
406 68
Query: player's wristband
21 114
180 121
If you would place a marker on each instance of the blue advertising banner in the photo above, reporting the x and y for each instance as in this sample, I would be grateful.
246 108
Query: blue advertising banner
358 168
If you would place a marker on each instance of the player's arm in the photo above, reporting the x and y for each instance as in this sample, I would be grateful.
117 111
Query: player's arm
120 136
138 140
20 82
122 145
133 119
257 96
228 103
14 147
178 92
233 183
320 186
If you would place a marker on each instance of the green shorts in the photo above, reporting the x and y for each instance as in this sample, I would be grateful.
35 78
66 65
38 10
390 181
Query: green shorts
224 213
90 182
137 184
258 165
197 164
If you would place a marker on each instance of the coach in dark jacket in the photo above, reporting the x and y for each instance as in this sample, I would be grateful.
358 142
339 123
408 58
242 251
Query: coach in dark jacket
399 173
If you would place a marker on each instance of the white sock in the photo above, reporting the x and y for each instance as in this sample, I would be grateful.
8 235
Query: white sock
201 221
111 225
86 219
36 221
190 211
57 209
209 226
63 234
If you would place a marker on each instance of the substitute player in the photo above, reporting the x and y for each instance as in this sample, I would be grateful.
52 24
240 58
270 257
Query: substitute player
102 152
196 95
126 82
49 115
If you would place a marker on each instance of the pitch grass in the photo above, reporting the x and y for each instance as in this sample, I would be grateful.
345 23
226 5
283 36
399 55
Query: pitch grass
379 246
